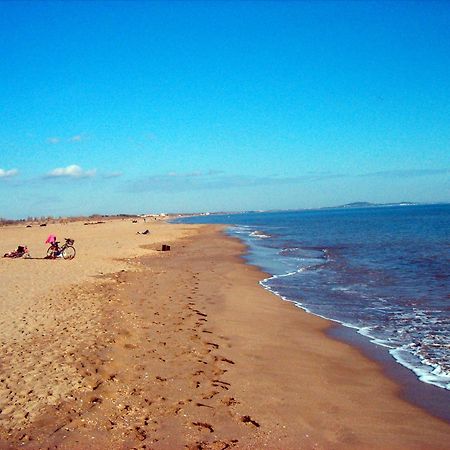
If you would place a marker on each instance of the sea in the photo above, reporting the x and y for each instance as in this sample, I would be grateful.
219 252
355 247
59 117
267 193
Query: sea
382 271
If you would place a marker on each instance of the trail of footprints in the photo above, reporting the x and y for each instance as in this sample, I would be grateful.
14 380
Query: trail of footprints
124 375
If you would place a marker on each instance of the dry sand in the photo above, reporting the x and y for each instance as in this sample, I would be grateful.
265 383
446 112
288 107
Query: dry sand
179 349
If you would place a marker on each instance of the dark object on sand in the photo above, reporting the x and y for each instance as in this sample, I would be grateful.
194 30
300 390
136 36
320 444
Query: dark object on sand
28 226
143 232
43 225
22 250
93 223
165 248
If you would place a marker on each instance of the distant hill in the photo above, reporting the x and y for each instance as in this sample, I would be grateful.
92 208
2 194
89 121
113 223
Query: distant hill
358 205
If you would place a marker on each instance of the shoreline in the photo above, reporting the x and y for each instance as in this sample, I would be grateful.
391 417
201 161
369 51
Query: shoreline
427 396
325 327
191 352
430 398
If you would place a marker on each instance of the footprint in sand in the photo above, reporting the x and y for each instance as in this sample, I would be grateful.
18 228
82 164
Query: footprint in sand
230 401
229 361
219 445
222 384
203 425
249 420
210 395
212 344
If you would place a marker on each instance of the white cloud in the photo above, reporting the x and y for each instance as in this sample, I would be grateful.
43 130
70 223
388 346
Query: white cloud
8 173
77 138
72 171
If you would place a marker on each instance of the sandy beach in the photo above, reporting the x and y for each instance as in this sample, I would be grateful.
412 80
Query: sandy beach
130 347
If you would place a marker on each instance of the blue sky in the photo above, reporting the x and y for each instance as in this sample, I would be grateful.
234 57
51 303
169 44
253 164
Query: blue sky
133 107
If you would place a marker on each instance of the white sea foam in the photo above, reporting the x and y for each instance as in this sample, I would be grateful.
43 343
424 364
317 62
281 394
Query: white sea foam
259 235
425 371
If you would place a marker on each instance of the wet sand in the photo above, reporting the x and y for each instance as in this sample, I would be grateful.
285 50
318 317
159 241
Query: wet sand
181 349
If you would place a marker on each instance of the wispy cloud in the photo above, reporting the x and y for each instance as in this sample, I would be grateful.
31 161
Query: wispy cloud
407 173
112 175
185 175
77 138
72 171
209 173
194 181
181 182
8 173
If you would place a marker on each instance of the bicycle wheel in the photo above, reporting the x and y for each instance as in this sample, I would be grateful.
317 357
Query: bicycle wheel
50 252
69 252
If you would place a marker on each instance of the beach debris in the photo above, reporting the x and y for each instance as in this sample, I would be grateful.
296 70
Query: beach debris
165 248
143 232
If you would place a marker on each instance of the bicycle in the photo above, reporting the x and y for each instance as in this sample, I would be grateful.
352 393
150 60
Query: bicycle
67 250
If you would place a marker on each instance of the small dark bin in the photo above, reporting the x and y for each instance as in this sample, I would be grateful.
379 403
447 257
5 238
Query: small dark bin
165 248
